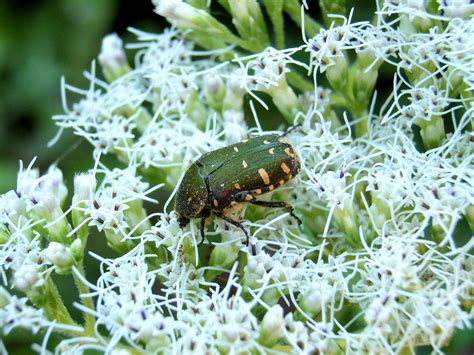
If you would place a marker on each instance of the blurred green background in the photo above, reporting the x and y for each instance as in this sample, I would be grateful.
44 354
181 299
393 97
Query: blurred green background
42 40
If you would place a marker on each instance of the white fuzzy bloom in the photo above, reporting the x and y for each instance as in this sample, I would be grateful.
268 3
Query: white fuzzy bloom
112 54
456 8
84 186
27 277
15 313
268 69
235 128
58 254
382 213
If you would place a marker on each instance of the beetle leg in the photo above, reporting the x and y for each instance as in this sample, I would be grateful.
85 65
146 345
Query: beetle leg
202 227
291 129
234 223
278 204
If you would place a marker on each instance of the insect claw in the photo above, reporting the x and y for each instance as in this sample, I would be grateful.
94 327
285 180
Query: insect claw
253 249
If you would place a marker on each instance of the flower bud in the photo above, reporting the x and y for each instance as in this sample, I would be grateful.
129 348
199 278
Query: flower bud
249 22
317 296
433 134
60 256
77 250
112 57
84 187
271 326
214 89
27 277
235 128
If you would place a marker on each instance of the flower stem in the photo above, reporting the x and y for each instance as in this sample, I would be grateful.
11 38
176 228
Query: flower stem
86 301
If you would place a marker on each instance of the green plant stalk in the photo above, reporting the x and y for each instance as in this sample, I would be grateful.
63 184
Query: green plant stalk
89 320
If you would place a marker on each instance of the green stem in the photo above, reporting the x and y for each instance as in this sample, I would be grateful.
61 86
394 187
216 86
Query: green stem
299 82
362 125
89 320
49 299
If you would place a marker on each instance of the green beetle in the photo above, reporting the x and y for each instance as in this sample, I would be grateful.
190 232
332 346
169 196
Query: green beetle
223 178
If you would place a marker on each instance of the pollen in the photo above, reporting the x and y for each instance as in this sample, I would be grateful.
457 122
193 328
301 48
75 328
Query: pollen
216 203
285 168
244 163
281 182
258 192
264 175
249 197
237 186
270 187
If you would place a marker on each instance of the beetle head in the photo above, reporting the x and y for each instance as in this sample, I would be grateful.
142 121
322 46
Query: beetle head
182 221
191 198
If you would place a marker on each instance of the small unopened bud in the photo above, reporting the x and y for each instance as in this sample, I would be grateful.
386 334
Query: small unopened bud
77 250
235 128
316 297
433 133
84 187
215 91
234 96
27 277
60 256
112 57
271 326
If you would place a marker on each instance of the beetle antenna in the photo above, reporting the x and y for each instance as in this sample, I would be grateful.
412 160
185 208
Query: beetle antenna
291 129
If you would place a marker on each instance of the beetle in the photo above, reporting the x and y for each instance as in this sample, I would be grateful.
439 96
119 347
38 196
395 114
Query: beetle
224 178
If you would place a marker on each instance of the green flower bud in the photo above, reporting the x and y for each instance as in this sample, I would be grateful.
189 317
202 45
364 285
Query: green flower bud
271 326
214 89
112 57
57 225
433 133
77 250
248 19
60 256
345 217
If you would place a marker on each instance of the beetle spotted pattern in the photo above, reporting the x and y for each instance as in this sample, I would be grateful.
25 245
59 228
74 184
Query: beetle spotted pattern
238 173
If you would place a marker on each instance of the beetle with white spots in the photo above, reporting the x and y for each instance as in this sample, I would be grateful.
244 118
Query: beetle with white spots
221 179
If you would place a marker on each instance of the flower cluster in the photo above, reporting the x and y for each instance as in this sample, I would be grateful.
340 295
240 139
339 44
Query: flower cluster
382 262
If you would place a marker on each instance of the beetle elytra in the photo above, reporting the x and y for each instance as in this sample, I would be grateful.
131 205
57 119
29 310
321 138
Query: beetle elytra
235 174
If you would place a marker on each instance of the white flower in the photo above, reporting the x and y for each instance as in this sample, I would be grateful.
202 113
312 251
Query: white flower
27 277
112 57
15 313
235 128
58 254
456 8
84 186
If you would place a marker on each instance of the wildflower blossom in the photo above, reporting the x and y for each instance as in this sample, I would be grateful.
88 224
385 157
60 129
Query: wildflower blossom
382 262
